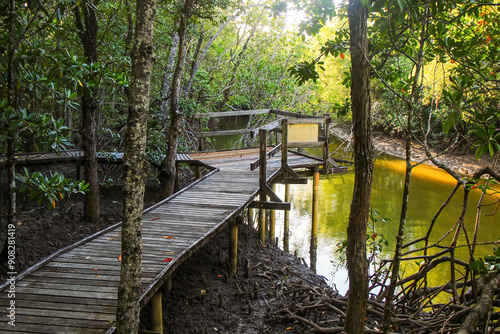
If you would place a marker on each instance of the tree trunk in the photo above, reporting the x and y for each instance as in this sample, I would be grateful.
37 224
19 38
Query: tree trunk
88 36
167 169
166 84
363 172
197 63
134 170
415 98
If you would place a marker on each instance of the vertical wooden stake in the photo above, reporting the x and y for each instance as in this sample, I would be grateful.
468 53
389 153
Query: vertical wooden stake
198 172
156 313
233 245
176 185
201 139
262 182
79 172
314 224
250 217
286 223
262 226
326 152
272 220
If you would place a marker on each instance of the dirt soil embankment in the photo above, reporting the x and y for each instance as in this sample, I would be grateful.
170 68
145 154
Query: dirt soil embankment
464 163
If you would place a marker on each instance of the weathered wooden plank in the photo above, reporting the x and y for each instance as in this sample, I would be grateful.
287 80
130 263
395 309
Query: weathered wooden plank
66 314
22 305
221 133
66 293
232 113
63 299
47 329
83 323
62 286
71 281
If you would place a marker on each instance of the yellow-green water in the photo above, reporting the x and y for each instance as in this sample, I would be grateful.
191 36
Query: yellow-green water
429 189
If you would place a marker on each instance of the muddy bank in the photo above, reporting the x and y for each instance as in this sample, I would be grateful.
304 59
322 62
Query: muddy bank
463 162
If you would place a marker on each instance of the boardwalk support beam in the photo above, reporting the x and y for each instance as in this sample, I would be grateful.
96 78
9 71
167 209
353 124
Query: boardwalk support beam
314 223
286 223
233 245
156 313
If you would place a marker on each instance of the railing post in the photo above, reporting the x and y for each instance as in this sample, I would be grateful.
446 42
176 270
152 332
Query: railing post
326 151
262 182
284 146
201 139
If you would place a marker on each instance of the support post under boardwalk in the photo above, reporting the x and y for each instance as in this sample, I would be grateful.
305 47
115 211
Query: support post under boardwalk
233 244
314 223
286 223
262 181
156 313
272 221
198 172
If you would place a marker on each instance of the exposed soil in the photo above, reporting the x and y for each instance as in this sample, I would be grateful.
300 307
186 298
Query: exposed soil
462 160
204 299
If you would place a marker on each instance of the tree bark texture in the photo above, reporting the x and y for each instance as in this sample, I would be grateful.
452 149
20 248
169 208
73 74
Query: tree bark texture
166 84
88 36
167 169
134 169
363 172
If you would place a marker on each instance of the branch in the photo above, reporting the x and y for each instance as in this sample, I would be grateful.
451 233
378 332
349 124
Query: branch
478 314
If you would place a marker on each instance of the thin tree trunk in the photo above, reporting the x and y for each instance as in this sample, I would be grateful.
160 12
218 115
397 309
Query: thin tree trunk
415 97
134 170
197 63
167 169
363 172
88 36
166 85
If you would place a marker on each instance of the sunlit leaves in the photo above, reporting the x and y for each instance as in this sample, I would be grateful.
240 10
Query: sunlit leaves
305 71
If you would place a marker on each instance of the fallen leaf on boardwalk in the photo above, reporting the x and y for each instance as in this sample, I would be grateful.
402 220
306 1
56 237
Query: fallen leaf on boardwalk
96 276
95 269
288 328
168 252
168 259
31 317
167 237
156 218
109 238
102 284
119 257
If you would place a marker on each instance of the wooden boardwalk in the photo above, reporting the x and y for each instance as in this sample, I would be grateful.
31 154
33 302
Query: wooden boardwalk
75 289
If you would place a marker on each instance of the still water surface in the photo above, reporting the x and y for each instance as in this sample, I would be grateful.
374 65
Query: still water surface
429 189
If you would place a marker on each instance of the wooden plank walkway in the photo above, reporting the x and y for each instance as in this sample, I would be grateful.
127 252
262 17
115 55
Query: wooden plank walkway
75 156
75 289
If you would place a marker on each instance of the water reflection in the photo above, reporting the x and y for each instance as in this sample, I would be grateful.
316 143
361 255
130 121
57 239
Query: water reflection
429 189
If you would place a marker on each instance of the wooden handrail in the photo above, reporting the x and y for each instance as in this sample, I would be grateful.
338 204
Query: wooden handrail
232 113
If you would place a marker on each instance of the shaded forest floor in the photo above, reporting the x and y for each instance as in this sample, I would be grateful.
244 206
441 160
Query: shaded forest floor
204 299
